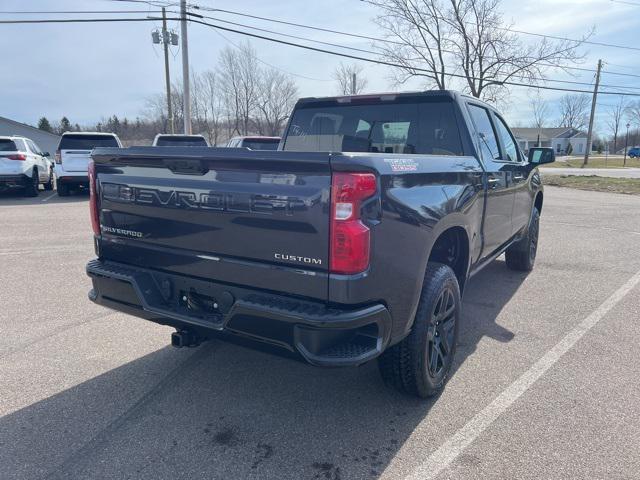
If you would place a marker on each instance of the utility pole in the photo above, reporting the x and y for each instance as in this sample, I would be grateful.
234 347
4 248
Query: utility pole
353 83
167 78
593 112
626 146
185 69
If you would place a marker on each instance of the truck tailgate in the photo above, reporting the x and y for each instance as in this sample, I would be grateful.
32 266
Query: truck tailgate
75 160
253 218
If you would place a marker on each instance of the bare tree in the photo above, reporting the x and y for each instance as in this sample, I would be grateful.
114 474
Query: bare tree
539 111
466 39
574 111
344 74
633 112
615 121
278 93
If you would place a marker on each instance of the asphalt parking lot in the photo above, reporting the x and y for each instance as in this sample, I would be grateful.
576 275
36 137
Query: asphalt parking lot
546 381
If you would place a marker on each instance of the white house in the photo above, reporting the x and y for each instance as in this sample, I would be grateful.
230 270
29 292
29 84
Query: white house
556 138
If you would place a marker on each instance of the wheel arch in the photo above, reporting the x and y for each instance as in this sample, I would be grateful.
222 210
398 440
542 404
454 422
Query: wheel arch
452 247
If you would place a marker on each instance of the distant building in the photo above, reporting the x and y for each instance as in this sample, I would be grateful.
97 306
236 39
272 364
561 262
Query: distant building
48 142
556 138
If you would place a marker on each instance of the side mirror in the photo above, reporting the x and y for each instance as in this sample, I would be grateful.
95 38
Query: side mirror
540 155
46 154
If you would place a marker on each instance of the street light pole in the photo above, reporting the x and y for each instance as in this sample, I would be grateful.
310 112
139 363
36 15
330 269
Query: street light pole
626 145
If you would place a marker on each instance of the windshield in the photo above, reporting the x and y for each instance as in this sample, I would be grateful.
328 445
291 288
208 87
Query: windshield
417 126
87 142
266 144
181 141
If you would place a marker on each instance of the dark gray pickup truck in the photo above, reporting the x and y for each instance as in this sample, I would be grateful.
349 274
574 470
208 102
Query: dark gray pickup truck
353 241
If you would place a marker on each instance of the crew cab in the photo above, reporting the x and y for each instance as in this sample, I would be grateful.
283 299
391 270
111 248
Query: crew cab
73 157
254 142
23 164
173 140
352 242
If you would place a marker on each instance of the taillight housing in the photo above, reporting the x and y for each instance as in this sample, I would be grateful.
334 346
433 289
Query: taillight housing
93 199
58 158
350 237
17 156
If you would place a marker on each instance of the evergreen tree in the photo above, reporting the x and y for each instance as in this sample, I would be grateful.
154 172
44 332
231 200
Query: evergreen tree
65 125
43 124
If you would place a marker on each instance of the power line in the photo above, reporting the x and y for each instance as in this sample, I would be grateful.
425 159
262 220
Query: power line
566 82
367 37
83 20
382 62
508 29
60 12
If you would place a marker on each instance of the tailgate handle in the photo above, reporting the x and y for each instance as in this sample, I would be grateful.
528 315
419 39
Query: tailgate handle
186 166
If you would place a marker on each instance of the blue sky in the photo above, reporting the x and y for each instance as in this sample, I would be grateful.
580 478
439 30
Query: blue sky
90 71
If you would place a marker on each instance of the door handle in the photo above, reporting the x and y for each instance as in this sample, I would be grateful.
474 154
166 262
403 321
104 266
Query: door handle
493 182
518 177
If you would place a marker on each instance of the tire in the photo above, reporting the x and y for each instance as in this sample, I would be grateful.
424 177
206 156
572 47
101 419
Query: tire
420 364
63 189
49 184
521 256
31 187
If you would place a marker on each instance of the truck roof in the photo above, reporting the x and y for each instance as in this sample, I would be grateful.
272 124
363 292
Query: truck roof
383 96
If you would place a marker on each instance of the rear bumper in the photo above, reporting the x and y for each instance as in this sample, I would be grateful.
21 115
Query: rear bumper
74 178
322 335
14 180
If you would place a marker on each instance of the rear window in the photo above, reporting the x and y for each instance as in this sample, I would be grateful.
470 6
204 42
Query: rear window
181 141
87 142
7 146
409 126
266 144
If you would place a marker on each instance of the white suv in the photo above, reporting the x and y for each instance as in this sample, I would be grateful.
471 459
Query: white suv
23 164
73 157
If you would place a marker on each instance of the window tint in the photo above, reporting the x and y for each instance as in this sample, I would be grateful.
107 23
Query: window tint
488 142
410 125
510 148
87 142
181 141
7 145
260 144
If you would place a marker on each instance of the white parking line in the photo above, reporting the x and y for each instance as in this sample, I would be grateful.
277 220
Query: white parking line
49 197
455 445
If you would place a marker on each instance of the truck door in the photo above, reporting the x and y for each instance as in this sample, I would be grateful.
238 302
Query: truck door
520 171
500 195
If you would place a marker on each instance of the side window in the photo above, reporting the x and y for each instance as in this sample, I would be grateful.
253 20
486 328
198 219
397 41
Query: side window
20 145
484 127
510 148
33 147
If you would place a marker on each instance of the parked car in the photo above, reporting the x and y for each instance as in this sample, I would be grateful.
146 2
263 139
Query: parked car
634 152
254 143
73 157
171 140
23 164
364 254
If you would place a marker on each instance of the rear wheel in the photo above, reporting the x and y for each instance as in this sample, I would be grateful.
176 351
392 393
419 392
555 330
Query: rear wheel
63 189
420 364
32 184
522 254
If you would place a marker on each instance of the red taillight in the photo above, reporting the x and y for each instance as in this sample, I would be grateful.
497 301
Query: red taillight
58 158
17 156
349 251
93 199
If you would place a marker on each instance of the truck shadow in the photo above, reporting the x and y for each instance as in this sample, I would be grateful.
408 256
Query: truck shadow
223 411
